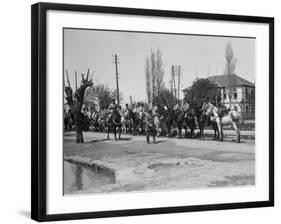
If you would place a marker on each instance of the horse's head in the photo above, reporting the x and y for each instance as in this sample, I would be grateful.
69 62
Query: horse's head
126 115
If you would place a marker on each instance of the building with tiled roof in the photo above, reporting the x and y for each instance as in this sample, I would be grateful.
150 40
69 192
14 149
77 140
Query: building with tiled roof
243 93
223 80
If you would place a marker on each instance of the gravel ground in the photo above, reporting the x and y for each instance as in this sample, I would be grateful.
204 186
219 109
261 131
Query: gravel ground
171 163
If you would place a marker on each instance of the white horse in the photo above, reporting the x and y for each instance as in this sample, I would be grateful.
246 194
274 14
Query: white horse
232 117
157 124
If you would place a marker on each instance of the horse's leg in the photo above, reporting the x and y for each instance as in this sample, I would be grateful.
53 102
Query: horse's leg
107 132
192 131
216 134
180 129
219 129
119 132
158 130
147 136
131 127
237 132
114 130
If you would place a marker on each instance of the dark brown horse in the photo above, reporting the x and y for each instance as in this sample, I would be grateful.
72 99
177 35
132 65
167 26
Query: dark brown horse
179 119
168 118
189 122
113 123
205 120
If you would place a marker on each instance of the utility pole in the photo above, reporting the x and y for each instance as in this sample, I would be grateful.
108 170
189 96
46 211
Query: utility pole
179 81
75 81
131 100
174 80
173 84
117 76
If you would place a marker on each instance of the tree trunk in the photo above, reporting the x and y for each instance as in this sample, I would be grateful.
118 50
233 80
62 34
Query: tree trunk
79 127
77 104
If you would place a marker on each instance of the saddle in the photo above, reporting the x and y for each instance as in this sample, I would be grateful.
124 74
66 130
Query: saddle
222 111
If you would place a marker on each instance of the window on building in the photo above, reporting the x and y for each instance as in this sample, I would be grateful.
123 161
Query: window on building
246 92
253 93
235 94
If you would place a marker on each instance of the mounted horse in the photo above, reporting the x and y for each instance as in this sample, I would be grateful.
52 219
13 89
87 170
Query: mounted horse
203 121
223 117
179 119
190 121
184 118
167 118
94 125
113 122
127 122
102 121
134 118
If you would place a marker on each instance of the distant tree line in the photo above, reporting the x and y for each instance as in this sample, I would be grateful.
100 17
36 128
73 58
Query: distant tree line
100 95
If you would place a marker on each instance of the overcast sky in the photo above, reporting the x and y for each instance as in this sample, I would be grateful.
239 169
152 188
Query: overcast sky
199 56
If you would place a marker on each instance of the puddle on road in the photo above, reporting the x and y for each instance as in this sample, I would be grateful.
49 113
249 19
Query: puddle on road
78 177
234 181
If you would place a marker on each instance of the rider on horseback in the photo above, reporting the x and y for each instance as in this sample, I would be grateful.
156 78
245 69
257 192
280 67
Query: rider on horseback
221 108
112 108
126 108
155 109
185 108
176 107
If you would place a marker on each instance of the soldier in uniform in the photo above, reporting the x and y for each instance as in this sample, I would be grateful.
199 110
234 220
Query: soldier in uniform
185 108
111 108
176 107
126 108
155 109
141 108
221 108
150 128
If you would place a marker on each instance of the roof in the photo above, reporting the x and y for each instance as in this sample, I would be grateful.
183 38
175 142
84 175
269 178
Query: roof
223 80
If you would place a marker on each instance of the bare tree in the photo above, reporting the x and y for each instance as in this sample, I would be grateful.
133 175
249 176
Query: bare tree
75 102
148 80
159 72
154 73
230 63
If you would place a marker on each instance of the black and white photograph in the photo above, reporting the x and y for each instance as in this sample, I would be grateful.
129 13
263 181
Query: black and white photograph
144 111
148 111
140 112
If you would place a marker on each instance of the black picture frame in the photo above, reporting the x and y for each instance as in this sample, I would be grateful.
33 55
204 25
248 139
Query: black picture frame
38 109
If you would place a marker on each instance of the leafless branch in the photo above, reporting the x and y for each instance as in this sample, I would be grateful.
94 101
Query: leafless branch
67 78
